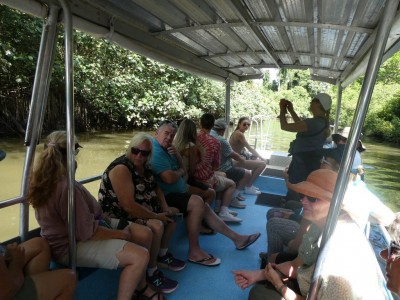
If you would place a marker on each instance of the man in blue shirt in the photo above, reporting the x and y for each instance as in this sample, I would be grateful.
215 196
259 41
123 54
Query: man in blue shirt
171 175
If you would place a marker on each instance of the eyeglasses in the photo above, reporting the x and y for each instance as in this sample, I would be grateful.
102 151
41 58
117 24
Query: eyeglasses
169 122
394 250
136 151
324 161
310 199
246 124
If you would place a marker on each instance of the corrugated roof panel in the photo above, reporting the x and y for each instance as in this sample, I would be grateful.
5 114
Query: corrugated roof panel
325 62
229 38
304 60
356 43
329 39
299 39
274 38
286 59
251 59
248 37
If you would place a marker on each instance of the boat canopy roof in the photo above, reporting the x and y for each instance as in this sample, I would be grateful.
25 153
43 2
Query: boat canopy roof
236 39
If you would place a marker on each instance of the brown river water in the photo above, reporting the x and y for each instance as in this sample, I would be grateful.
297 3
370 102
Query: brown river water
382 163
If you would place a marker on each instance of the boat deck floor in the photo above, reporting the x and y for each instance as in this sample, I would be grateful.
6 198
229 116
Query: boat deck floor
198 282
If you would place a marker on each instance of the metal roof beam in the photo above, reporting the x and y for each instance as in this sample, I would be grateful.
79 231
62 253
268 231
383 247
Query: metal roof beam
244 14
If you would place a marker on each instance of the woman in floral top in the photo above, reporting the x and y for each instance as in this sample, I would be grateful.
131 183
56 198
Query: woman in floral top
129 192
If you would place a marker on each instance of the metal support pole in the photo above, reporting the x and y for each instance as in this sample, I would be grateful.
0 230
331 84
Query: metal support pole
358 120
338 107
38 105
227 104
69 88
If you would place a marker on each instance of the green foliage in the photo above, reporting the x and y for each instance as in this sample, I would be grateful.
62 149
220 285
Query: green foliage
385 122
115 88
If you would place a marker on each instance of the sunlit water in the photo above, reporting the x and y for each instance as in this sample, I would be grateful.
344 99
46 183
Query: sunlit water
382 163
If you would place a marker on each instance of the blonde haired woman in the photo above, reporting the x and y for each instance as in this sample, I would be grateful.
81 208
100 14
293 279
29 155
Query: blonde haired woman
99 244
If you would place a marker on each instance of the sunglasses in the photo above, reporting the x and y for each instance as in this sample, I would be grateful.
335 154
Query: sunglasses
169 122
136 151
324 161
394 250
310 199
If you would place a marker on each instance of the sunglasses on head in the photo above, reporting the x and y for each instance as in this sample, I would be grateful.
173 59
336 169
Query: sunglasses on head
310 199
324 161
394 250
169 122
136 151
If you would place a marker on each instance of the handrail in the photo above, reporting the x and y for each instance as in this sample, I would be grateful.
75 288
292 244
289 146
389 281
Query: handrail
20 199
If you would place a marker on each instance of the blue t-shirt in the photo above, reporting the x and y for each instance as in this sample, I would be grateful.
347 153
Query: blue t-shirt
162 161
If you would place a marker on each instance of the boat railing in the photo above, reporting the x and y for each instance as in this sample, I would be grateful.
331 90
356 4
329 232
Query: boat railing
21 199
259 133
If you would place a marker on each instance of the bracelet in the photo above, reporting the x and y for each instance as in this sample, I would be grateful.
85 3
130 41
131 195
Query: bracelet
281 288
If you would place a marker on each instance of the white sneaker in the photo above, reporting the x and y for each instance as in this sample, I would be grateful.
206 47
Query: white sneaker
241 197
227 217
232 212
251 191
236 203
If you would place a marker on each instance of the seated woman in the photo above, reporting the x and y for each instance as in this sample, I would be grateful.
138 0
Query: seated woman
128 191
254 161
185 142
99 243
24 272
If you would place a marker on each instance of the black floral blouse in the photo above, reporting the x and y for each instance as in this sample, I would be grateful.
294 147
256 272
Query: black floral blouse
145 192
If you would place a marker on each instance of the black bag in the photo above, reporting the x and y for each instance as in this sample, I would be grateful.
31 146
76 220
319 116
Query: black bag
291 147
193 182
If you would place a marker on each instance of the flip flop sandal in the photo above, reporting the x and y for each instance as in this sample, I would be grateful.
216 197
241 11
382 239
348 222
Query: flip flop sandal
203 261
249 241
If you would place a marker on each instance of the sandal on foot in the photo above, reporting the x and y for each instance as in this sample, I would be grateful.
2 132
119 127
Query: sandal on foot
139 295
204 261
250 240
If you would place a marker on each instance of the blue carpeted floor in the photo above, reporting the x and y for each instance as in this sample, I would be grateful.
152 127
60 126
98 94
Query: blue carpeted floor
198 282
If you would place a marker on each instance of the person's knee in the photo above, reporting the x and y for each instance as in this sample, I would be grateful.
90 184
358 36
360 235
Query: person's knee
157 227
195 203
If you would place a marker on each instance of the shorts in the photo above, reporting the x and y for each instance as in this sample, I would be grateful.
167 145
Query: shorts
27 291
220 183
97 254
235 173
178 200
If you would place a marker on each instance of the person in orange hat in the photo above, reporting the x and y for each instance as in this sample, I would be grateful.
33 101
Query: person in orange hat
343 275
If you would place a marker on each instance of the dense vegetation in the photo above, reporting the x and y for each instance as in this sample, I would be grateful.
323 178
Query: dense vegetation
117 89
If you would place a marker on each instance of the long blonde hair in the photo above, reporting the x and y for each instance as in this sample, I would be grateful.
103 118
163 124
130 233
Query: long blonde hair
186 133
49 168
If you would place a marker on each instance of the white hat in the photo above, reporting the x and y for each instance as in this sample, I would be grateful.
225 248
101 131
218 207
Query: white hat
325 100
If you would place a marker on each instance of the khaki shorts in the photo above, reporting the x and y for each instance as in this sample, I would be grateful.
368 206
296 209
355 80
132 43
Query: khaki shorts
98 254
221 183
